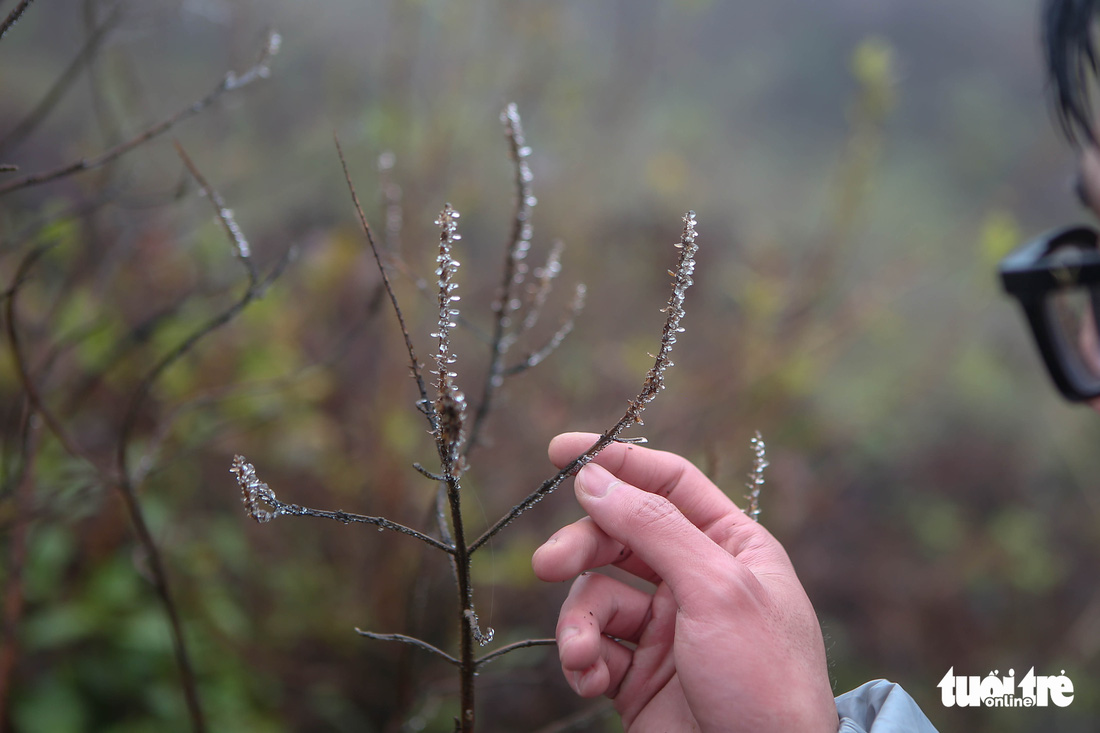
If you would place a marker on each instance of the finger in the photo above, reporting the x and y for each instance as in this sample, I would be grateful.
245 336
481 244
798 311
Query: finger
582 546
659 472
599 607
605 676
662 536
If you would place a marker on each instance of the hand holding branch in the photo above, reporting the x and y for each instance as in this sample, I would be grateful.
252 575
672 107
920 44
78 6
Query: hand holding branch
727 640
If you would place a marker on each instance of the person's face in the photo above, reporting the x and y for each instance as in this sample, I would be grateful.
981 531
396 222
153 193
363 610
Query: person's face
1089 190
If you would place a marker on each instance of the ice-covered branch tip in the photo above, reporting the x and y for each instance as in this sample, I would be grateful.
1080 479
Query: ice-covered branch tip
450 406
654 382
262 505
674 311
254 493
756 478
515 268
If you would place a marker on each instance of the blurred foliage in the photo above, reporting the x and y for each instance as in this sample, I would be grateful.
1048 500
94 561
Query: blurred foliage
857 170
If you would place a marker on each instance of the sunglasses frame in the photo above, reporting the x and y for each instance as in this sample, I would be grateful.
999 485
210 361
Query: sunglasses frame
1030 275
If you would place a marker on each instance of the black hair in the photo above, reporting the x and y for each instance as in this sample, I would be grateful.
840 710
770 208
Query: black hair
1071 63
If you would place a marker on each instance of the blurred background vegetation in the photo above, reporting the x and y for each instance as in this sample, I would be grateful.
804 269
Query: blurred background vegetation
857 168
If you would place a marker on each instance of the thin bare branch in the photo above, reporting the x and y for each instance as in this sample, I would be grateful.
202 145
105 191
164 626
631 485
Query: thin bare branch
414 364
527 643
410 640
231 83
654 382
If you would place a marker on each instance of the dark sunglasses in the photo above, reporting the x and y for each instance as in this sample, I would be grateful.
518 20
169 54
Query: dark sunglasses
1056 278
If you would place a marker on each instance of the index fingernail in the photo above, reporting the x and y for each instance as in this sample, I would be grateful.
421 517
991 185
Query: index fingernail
595 481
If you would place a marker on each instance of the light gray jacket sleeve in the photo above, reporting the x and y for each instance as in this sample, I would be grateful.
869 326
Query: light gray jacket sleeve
880 706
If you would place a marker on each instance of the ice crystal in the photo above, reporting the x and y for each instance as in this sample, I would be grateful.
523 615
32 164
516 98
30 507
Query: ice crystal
756 478
254 493
450 405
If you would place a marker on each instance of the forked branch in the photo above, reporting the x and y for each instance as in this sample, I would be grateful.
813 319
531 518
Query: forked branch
654 382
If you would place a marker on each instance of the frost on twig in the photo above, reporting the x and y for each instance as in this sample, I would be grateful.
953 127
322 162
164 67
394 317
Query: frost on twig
681 281
262 505
450 404
654 381
756 478
259 500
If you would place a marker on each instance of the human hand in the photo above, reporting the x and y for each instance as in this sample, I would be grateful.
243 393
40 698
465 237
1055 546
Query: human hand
727 640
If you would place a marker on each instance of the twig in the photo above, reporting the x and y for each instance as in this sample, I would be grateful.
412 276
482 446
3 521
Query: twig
526 643
256 493
654 382
13 17
410 640
225 216
231 83
414 363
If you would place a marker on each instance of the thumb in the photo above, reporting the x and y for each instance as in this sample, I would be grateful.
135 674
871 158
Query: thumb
654 529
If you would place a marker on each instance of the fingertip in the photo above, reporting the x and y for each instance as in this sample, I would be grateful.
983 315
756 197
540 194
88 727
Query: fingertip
565 447
542 562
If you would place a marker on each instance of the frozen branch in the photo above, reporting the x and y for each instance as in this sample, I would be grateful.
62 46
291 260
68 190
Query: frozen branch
654 381
410 640
756 478
450 403
262 505
514 270
225 216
